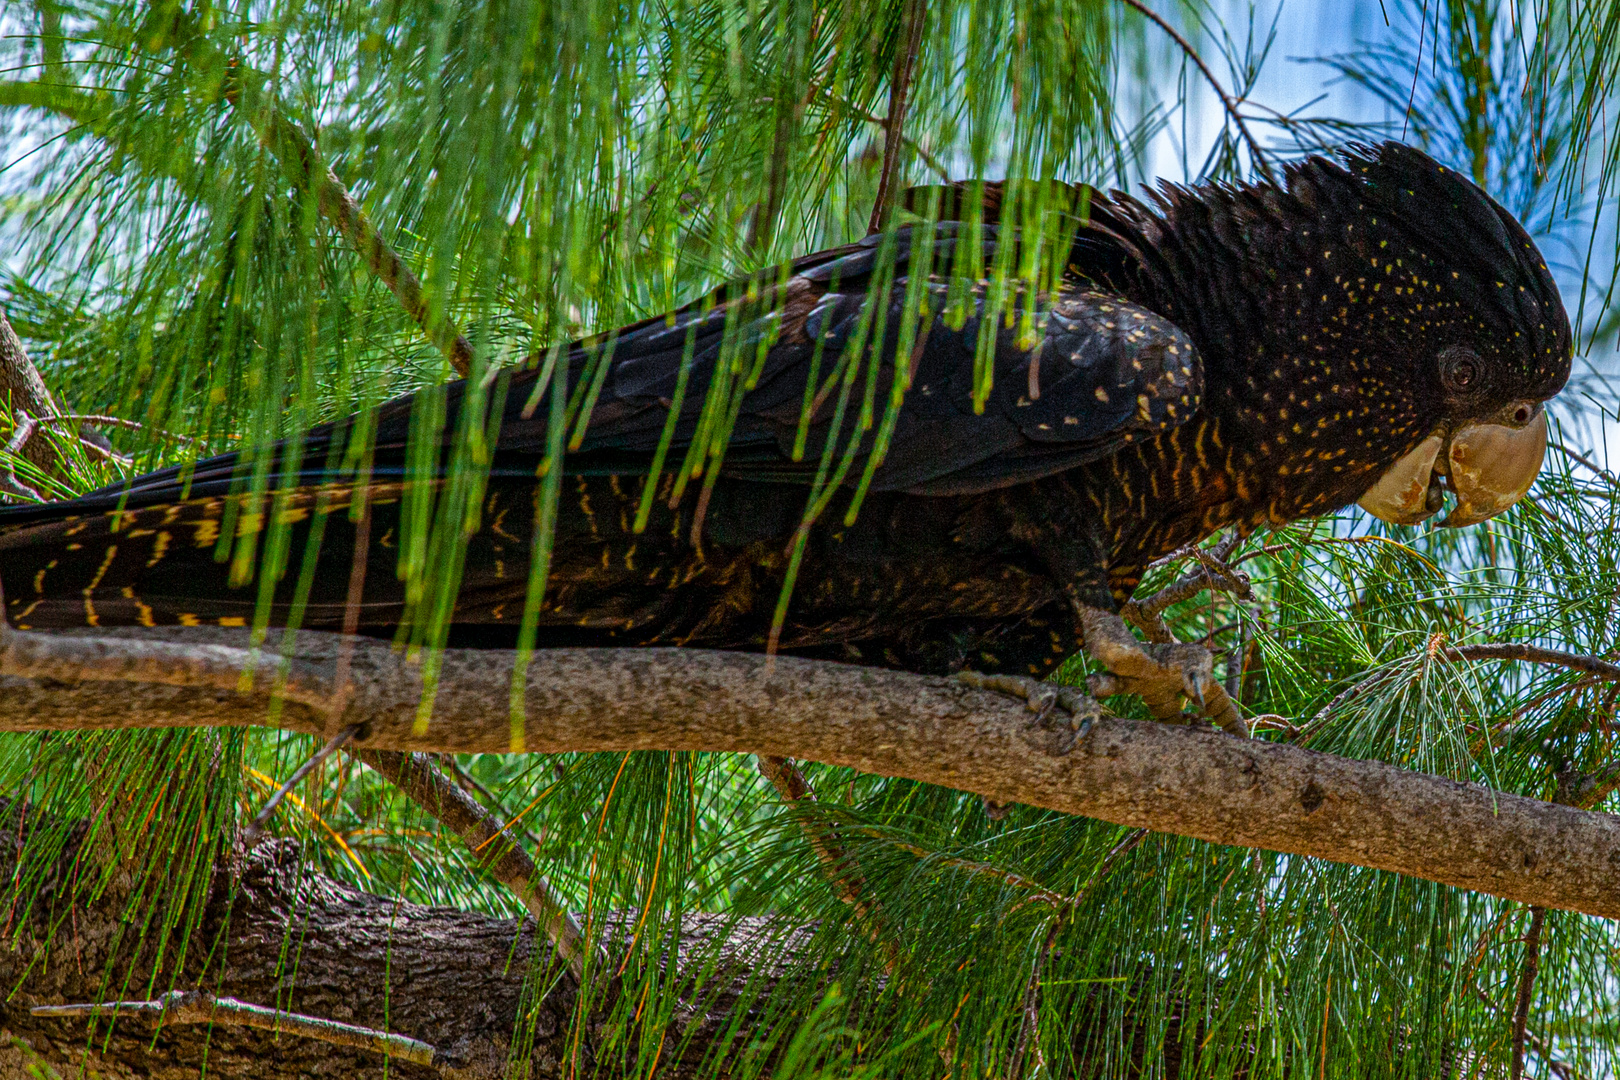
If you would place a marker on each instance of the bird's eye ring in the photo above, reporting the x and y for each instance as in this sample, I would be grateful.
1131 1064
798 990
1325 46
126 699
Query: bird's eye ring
1522 415
1460 372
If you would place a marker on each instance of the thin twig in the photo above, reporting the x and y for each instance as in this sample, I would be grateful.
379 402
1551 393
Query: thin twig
472 786
1029 1033
1273 722
112 421
496 848
905 67
198 1007
1573 789
1587 790
1230 105
1534 1040
1527 983
1531 654
1310 727
301 159
1582 683
27 426
21 435
1127 843
911 144
250 835
1213 573
1038 893
1602 473
836 862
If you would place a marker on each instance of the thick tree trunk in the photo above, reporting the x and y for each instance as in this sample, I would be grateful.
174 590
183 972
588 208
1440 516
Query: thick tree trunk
303 943
298 941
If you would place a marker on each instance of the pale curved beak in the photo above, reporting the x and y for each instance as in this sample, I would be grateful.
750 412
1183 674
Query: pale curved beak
1409 491
1489 467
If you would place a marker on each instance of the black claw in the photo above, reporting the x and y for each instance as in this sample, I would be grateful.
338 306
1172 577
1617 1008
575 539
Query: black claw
1071 738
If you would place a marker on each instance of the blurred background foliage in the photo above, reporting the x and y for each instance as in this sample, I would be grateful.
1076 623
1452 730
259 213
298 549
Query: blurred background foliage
554 169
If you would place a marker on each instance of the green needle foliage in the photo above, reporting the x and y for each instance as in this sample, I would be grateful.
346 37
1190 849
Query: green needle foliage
548 170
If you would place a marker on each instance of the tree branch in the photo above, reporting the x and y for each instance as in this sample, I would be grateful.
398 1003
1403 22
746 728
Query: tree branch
301 159
498 850
26 396
1167 778
836 863
1527 985
197 1007
488 800
1533 654
905 66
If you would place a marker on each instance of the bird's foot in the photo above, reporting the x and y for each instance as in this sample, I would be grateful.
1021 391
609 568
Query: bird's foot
1161 674
1067 708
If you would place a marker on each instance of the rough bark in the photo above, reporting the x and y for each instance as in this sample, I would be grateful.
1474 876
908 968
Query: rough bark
304 943
348 942
24 389
1165 778
297 941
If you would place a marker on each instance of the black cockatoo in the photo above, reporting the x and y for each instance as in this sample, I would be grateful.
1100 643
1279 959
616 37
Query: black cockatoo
1374 329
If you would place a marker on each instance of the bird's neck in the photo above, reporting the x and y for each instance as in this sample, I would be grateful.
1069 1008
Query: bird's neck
1302 411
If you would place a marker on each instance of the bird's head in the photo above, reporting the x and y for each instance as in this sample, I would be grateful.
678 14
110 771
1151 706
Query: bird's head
1375 329
1487 336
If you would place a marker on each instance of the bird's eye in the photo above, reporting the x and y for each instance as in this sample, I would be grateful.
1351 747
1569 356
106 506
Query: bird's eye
1460 371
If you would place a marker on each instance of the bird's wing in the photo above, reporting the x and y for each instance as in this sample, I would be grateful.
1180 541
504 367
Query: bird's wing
1086 373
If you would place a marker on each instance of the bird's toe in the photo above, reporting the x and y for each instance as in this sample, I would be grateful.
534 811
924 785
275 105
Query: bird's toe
1163 675
1067 709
